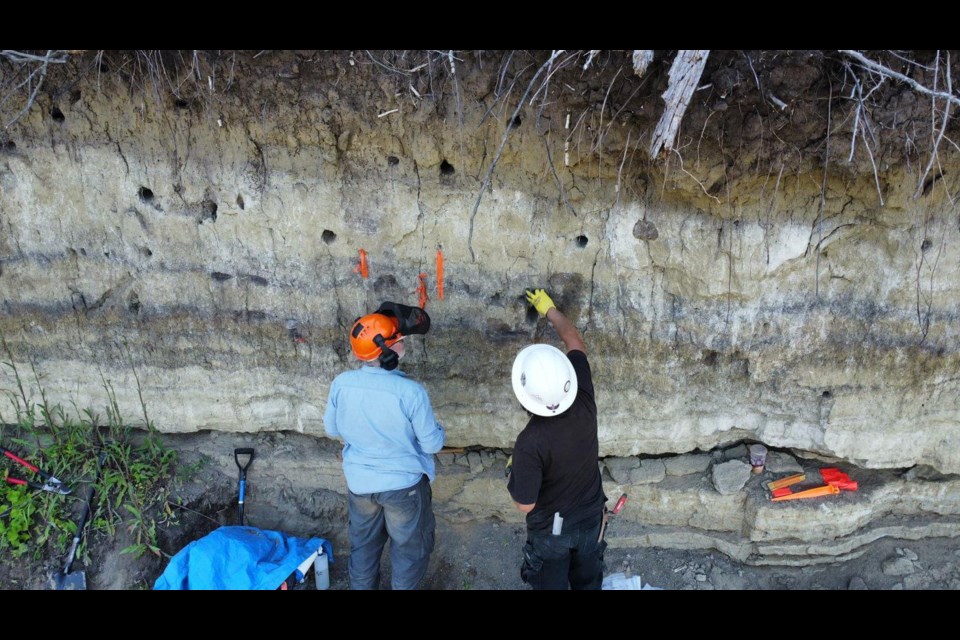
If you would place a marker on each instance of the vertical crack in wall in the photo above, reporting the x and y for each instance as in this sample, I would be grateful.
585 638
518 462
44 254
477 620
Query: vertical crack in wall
120 153
767 225
342 321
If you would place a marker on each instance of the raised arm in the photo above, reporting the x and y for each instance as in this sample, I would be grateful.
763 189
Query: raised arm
561 324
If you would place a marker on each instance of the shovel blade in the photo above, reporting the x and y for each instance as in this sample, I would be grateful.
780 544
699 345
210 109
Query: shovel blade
76 581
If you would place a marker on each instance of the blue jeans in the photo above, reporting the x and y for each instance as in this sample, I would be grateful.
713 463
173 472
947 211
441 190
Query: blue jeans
405 516
572 559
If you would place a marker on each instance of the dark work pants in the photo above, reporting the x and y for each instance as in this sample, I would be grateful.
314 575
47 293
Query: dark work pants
573 559
405 517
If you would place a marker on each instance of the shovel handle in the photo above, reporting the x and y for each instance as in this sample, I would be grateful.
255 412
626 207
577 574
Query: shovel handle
243 452
243 477
81 523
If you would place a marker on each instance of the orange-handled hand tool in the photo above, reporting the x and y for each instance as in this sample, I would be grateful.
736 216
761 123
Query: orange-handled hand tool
773 485
816 492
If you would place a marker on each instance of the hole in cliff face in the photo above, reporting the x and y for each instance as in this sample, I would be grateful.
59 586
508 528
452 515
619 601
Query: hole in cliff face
385 283
582 241
393 161
826 395
57 115
133 303
532 314
145 194
710 358
75 96
926 244
146 252
180 103
208 211
329 237
516 122
9 145
446 169
928 185
219 276
645 230
240 202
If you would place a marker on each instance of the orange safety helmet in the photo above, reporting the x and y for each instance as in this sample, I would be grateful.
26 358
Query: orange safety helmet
367 328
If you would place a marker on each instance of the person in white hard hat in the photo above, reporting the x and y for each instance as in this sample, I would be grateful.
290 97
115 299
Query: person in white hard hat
554 476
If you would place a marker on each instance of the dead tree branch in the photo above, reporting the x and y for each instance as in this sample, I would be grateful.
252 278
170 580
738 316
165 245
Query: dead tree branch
887 71
503 142
823 191
694 178
44 62
641 60
943 125
684 78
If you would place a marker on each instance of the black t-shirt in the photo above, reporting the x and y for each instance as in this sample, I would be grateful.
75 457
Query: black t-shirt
555 460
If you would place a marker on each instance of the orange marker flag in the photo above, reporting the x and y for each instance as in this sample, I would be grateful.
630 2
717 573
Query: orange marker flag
422 290
362 267
440 272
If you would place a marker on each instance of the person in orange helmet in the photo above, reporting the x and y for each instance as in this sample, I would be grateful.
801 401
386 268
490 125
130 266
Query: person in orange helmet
390 434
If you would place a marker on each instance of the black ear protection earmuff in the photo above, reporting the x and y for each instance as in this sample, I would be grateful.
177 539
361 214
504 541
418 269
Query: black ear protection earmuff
388 357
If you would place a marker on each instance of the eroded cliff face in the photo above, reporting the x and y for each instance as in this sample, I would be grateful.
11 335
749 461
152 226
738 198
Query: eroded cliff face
195 245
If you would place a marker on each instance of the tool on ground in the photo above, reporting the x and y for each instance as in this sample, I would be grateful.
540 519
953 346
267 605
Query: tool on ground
50 482
773 485
835 480
77 580
611 512
839 479
242 487
816 492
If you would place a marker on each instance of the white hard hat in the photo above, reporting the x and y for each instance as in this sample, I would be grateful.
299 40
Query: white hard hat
544 380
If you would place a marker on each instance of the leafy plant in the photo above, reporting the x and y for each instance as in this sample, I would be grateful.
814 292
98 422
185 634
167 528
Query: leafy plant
132 486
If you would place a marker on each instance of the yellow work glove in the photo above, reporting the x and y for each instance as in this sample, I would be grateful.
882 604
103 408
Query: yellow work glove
540 301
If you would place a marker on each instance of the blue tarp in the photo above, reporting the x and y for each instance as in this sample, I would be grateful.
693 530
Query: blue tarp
239 558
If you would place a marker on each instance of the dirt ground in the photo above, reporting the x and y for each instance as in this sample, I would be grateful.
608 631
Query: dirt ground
485 555
481 554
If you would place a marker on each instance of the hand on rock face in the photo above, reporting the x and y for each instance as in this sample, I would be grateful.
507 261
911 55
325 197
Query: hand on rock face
540 301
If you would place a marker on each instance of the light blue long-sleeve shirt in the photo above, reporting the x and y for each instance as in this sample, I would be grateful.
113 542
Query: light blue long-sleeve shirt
388 428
